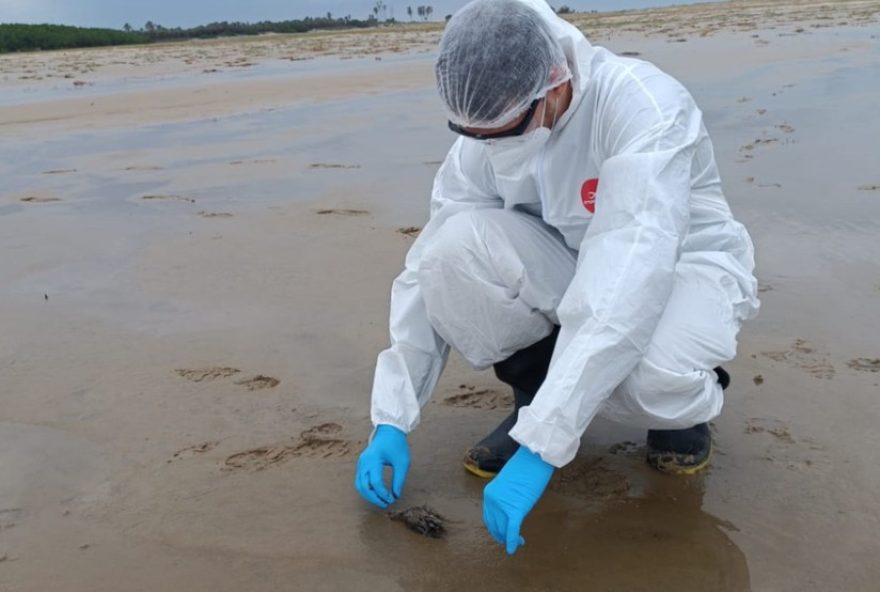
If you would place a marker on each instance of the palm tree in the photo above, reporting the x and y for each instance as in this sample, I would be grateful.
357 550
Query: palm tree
409 12
126 27
429 10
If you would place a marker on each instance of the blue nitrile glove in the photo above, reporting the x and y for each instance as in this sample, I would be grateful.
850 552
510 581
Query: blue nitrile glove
387 449
512 494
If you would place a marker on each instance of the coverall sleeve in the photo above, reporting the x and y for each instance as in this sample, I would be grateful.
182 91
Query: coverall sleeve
407 372
649 126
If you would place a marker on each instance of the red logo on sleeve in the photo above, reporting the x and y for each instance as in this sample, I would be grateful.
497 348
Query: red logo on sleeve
588 194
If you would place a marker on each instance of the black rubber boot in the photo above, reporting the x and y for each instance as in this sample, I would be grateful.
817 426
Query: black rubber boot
687 451
723 377
491 453
525 371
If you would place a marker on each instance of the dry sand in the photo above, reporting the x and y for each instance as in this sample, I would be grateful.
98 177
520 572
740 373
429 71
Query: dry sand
196 271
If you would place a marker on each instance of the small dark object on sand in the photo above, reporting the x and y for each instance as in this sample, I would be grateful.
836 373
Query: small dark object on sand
422 520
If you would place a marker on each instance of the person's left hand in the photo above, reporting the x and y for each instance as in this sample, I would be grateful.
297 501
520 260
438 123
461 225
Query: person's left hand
512 494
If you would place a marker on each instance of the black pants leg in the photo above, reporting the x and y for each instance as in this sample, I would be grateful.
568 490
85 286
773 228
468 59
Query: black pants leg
526 369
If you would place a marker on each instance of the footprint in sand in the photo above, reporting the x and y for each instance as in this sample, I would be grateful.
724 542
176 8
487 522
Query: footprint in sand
765 141
258 382
9 518
342 212
797 454
869 188
319 441
331 165
625 448
411 231
195 450
39 199
207 374
747 148
746 152
801 355
258 161
251 383
204 214
59 171
865 364
774 427
473 398
588 477
257 459
168 198
143 168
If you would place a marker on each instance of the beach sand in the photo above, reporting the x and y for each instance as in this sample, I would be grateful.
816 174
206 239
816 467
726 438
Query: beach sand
195 287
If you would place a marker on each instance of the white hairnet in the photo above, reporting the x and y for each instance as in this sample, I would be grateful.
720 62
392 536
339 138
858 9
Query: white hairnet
496 57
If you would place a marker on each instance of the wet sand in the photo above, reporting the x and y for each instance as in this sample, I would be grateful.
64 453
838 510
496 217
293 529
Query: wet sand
196 279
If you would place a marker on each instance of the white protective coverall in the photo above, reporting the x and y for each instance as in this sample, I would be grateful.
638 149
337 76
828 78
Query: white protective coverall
617 230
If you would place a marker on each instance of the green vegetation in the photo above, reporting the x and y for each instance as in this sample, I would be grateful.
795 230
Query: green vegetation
34 37
156 32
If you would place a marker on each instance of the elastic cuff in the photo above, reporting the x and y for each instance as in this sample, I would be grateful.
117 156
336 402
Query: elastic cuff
555 444
533 459
377 425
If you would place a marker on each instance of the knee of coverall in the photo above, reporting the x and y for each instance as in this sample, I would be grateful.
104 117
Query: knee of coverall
456 239
473 287
450 269
654 397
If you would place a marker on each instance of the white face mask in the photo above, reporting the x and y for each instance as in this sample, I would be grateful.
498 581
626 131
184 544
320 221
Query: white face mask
513 159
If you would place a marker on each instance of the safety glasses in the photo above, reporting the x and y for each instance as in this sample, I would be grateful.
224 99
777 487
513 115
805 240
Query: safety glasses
519 130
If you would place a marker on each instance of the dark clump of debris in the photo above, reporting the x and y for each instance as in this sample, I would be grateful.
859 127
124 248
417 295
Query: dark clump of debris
422 520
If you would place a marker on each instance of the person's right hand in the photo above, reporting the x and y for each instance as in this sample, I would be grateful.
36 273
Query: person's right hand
388 448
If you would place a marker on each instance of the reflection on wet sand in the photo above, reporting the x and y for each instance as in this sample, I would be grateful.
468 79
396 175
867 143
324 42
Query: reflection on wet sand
661 540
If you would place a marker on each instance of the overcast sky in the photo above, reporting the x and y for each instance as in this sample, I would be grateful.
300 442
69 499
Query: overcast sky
188 13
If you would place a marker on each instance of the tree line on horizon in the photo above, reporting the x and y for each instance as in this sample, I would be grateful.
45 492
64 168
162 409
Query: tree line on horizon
15 37
157 32
20 37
